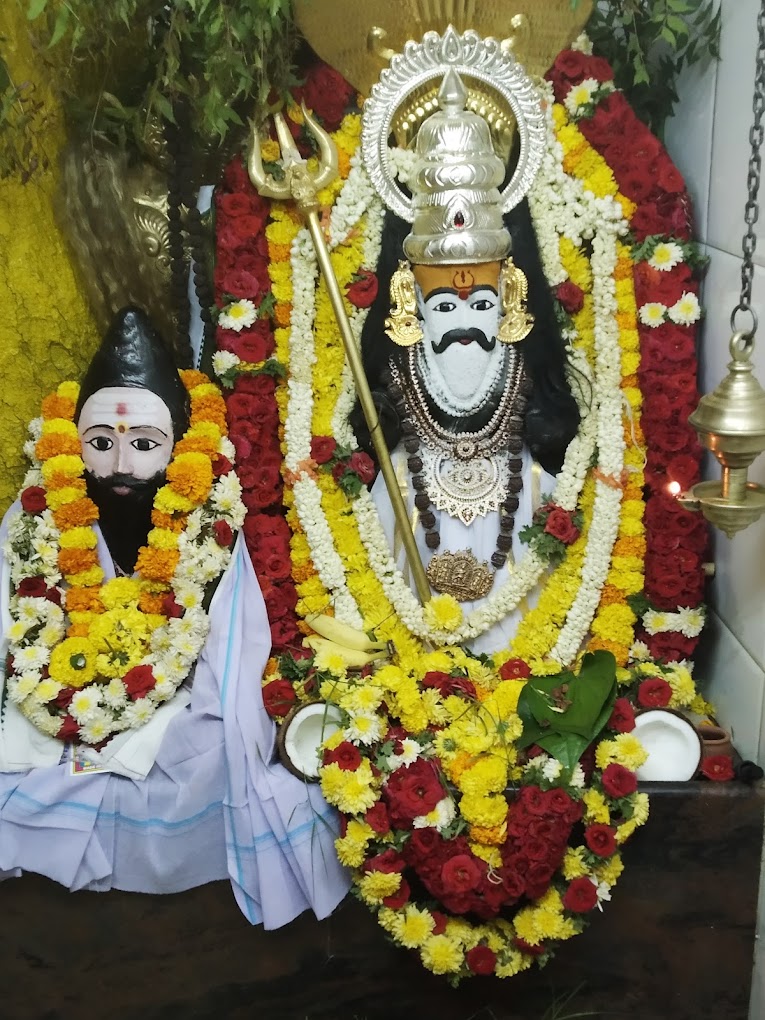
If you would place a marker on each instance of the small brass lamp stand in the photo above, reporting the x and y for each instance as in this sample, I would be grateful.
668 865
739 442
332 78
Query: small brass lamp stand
730 422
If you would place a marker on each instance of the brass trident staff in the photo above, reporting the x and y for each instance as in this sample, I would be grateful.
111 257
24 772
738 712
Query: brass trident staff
300 185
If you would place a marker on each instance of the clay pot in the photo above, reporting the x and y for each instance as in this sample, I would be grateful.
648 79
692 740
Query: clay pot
715 740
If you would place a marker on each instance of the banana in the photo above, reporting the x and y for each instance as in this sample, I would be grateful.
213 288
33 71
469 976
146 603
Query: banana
332 629
352 657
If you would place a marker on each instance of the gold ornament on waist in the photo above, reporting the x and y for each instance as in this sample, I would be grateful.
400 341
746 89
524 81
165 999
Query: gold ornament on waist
516 322
460 575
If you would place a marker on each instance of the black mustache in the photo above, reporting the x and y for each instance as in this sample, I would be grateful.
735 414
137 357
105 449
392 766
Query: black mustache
454 336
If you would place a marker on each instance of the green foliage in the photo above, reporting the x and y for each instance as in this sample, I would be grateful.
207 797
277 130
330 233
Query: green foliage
22 116
564 713
649 42
129 61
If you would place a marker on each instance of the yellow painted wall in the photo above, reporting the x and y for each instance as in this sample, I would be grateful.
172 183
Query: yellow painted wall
46 331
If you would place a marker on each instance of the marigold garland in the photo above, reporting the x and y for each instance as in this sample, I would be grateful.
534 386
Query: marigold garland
89 659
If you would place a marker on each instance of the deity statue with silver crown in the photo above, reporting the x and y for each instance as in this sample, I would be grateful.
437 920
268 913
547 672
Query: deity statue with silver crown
466 362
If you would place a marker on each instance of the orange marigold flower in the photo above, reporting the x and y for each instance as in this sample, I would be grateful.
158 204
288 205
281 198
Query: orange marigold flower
459 764
494 835
84 600
55 443
611 595
302 573
54 406
283 314
619 652
157 564
630 546
76 515
151 603
278 252
78 630
196 444
60 480
190 378
209 409
168 521
191 475
75 561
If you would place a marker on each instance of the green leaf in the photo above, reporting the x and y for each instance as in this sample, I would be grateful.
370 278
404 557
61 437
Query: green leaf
35 9
568 704
61 25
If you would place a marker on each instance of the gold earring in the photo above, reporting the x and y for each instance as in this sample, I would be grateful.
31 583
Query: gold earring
402 325
516 322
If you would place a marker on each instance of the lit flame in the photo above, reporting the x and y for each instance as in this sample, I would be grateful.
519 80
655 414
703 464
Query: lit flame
674 488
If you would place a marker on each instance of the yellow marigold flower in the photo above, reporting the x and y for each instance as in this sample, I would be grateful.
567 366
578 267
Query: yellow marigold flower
443 612
351 848
162 538
87 579
625 830
78 538
412 926
205 389
73 662
610 871
441 954
596 808
526 926
376 885
489 775
65 464
640 808
170 502
62 426
68 390
573 864
56 498
486 811
625 749
434 707
513 963
352 792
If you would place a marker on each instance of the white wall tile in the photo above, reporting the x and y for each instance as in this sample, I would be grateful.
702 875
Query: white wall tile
735 683
737 589
733 119
688 136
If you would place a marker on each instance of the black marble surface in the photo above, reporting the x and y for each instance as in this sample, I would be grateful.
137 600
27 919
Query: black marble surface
676 943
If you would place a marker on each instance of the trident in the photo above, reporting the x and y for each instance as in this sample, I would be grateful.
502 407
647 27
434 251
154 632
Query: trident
300 185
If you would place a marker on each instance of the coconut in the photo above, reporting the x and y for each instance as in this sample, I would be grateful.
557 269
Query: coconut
673 745
302 733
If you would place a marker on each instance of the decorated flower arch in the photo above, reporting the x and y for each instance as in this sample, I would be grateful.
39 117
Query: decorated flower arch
479 836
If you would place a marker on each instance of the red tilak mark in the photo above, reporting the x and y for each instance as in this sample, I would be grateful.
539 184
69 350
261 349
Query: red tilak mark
122 408
463 294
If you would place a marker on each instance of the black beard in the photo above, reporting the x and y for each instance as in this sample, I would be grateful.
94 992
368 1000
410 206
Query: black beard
455 336
125 520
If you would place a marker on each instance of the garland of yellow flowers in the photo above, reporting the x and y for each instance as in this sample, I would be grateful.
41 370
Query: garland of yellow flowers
135 637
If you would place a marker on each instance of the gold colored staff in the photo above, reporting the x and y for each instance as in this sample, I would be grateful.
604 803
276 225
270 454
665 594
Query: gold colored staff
302 186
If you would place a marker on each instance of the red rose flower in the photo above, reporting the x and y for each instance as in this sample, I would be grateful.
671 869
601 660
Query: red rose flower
254 344
447 684
460 874
525 947
346 756
580 896
322 449
398 898
654 693
70 729
32 588
221 465
514 669
33 499
670 179
362 465
377 818
413 790
139 681
570 296
278 698
63 697
170 607
388 862
558 801
235 177
440 922
560 525
363 290
618 781
328 94
481 960
601 839
670 647
718 768
223 534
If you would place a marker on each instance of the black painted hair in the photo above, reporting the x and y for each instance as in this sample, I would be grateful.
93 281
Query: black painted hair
552 415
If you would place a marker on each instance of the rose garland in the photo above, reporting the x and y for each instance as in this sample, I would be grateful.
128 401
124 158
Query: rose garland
88 658
426 748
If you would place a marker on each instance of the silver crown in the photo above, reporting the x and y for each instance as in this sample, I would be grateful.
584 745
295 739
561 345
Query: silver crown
455 191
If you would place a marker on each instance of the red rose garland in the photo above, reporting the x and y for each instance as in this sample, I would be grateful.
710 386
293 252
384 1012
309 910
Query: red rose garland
676 538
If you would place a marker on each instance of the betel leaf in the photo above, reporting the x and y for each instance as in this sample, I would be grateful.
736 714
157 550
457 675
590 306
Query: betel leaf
556 708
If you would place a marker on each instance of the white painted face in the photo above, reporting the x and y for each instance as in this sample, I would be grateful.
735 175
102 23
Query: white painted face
461 356
125 431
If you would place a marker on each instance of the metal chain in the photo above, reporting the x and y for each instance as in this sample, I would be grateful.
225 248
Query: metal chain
752 209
